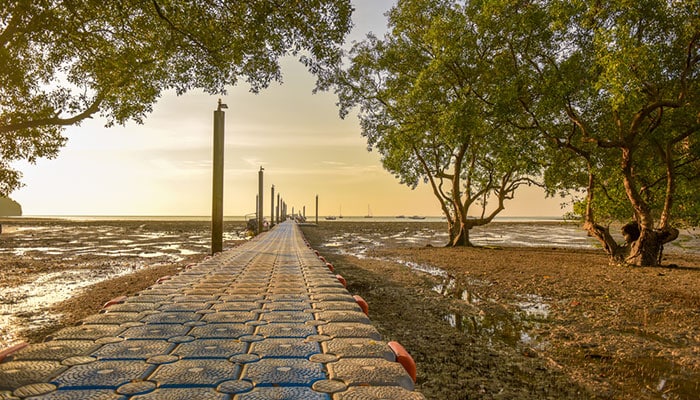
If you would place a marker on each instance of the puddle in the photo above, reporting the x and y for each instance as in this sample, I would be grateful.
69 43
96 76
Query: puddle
534 307
452 289
25 306
671 381
501 325
514 323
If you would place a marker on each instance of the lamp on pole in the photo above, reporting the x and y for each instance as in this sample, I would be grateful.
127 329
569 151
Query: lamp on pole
217 204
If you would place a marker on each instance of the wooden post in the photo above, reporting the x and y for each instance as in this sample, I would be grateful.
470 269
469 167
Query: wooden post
316 209
260 200
217 203
272 206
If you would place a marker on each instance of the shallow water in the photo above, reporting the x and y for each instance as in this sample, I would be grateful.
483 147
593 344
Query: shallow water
89 253
512 323
71 240
559 235
25 306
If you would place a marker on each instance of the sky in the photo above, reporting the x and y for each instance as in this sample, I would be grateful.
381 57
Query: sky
164 166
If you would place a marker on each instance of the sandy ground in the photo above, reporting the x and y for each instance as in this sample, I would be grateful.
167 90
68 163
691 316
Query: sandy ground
482 323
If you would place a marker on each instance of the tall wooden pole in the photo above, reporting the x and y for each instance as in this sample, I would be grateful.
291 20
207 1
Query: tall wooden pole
316 209
260 200
272 207
217 204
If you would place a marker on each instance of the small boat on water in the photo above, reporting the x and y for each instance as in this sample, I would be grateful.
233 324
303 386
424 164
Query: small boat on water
330 218
416 217
369 212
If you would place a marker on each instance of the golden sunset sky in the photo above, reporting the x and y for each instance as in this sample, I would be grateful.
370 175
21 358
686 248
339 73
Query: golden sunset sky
164 167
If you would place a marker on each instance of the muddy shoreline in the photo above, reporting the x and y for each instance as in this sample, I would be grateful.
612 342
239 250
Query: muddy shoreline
484 323
46 264
526 323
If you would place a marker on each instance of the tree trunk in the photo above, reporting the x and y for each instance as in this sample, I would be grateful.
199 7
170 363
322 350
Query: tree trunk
643 247
460 235
450 229
616 252
646 250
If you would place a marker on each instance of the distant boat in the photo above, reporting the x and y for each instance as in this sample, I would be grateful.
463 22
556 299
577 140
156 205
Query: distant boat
369 212
416 217
330 218
401 216
340 214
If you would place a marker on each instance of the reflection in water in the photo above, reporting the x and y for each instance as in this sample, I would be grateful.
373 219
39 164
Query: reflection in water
126 248
25 306
525 320
492 320
513 323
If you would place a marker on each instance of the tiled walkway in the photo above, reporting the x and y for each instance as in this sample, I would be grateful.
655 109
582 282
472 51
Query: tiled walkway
266 320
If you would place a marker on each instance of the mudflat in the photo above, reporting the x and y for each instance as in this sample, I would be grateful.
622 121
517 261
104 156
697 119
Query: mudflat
55 272
496 322
524 322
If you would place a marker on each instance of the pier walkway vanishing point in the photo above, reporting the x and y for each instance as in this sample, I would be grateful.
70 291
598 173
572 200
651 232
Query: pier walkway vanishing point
265 320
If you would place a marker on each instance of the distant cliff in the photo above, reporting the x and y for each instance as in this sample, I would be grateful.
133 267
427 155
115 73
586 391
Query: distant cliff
9 208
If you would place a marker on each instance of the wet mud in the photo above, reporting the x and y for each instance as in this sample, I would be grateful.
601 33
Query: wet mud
46 262
547 319
543 321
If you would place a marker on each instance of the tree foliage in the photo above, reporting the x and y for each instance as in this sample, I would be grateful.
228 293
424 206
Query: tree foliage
424 96
462 94
64 61
614 88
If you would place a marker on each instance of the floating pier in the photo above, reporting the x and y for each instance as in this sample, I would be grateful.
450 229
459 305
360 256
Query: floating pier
266 320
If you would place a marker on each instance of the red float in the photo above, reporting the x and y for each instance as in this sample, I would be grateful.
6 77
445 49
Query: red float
405 359
116 300
10 350
362 303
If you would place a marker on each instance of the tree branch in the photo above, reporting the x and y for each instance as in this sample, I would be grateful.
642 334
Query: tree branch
182 32
87 113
